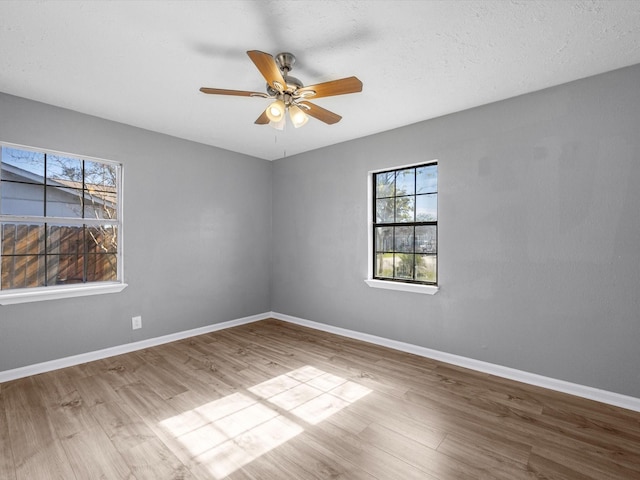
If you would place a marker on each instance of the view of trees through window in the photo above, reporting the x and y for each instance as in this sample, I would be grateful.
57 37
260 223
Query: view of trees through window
59 219
405 227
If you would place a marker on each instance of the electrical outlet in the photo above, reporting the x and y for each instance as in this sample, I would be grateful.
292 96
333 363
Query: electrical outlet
136 322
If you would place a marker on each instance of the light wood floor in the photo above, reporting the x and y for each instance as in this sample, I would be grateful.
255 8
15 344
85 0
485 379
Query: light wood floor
271 400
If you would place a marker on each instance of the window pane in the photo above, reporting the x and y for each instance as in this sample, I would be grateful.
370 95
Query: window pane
427 179
426 268
103 239
384 239
100 176
406 181
403 239
64 269
22 199
102 267
22 165
64 171
101 200
384 265
405 207
64 202
100 204
384 210
65 240
22 239
426 239
385 184
22 271
403 265
427 208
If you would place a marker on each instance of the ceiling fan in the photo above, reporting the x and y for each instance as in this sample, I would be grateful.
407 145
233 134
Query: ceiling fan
289 94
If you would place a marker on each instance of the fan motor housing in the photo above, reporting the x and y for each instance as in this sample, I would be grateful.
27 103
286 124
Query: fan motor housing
285 62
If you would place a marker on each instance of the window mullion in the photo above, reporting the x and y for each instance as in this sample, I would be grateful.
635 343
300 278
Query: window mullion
58 220
46 255
44 187
84 225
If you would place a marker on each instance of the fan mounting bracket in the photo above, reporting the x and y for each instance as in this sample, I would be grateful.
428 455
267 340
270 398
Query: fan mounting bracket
285 61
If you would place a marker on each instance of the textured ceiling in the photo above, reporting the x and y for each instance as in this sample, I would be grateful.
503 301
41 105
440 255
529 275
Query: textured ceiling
142 62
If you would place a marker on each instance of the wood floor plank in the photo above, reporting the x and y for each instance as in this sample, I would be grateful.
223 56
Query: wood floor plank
471 384
146 403
546 469
483 455
122 425
585 417
96 389
426 459
7 466
273 465
160 375
273 400
22 393
305 461
48 462
92 455
37 452
439 419
582 462
70 418
151 460
56 388
147 457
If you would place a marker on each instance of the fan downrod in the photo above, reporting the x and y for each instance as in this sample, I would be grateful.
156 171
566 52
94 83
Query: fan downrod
284 62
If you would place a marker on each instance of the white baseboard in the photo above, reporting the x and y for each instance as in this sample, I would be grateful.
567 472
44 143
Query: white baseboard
603 396
120 349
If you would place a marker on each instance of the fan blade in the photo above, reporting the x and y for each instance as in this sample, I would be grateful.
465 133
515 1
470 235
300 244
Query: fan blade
262 119
329 89
238 93
320 113
268 68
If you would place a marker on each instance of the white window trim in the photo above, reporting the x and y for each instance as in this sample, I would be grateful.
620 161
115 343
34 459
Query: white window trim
404 287
37 294
55 292
387 284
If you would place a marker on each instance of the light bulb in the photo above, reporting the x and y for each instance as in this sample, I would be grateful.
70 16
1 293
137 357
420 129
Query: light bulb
275 111
298 117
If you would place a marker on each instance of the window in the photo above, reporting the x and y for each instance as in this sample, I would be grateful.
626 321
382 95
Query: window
404 227
60 225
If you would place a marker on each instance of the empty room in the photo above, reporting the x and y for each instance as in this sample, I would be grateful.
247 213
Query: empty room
357 240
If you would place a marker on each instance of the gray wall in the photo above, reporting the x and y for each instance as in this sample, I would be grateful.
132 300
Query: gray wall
539 231
197 239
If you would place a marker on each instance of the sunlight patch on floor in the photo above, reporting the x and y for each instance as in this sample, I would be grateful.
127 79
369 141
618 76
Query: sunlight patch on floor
310 393
228 433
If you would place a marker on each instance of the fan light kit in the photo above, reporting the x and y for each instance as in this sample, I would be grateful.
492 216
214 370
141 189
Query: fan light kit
289 94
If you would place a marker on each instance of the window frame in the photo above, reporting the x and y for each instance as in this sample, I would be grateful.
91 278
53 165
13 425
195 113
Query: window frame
52 292
388 283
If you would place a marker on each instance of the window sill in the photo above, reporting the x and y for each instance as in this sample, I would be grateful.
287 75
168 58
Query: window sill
26 295
404 287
